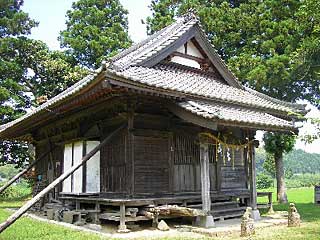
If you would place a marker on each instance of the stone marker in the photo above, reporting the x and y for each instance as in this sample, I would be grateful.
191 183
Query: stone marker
71 216
293 216
50 214
247 223
163 226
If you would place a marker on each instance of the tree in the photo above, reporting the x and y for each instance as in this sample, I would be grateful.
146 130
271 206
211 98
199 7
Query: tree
307 55
14 23
96 30
269 165
28 69
277 144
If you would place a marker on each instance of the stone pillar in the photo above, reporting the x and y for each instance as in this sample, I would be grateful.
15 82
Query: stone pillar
122 228
206 221
253 188
247 224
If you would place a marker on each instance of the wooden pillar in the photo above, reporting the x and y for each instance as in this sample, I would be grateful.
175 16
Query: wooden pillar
205 178
253 188
129 148
206 221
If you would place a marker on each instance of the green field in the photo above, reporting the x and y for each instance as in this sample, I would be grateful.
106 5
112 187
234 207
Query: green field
27 228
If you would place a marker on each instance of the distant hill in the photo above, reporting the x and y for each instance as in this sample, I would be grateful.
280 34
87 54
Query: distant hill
298 161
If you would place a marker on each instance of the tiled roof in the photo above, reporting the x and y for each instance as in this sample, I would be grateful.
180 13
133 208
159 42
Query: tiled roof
153 44
191 83
234 114
59 98
200 84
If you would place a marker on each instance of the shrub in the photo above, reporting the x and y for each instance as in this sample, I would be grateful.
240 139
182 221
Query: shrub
18 191
264 181
303 180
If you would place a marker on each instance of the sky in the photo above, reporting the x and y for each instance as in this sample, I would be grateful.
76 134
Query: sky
51 17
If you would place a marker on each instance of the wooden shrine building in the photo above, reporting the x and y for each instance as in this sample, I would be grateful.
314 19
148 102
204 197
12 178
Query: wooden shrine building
185 131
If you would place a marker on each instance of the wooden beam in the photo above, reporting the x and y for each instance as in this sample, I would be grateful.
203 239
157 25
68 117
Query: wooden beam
62 177
16 177
197 59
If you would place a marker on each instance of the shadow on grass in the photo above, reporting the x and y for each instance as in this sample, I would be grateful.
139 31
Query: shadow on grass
309 212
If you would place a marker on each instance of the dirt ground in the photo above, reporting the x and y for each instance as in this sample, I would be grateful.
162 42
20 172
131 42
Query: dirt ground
178 228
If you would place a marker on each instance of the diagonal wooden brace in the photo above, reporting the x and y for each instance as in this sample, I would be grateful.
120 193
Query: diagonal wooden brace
62 177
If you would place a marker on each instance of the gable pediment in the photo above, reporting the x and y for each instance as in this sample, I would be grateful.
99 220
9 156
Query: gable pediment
193 49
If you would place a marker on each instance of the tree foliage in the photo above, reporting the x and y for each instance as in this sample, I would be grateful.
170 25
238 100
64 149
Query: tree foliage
278 143
28 69
96 30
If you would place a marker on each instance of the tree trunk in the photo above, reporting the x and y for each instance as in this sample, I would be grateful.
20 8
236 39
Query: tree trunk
281 185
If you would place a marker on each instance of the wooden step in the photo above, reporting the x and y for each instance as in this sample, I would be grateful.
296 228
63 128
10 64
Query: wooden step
216 205
227 210
228 216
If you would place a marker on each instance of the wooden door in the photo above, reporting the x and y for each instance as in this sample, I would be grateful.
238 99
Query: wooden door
151 164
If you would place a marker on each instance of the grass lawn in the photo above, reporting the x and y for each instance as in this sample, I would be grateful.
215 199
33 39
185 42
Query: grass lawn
26 228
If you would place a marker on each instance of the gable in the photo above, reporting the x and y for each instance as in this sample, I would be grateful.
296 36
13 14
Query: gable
192 49
188 55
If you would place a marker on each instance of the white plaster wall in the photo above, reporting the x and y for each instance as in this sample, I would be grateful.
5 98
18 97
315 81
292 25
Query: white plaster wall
181 49
93 169
186 62
193 51
77 175
67 162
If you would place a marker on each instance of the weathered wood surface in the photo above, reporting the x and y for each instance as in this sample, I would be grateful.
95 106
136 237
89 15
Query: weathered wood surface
35 199
151 165
20 174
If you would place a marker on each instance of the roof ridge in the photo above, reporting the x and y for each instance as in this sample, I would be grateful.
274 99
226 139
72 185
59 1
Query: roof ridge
189 16
154 43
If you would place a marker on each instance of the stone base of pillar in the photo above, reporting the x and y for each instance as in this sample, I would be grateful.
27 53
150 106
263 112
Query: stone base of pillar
255 214
204 221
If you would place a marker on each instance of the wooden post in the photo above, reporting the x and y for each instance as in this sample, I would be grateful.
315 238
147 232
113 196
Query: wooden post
206 221
253 188
205 178
62 177
122 225
16 177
